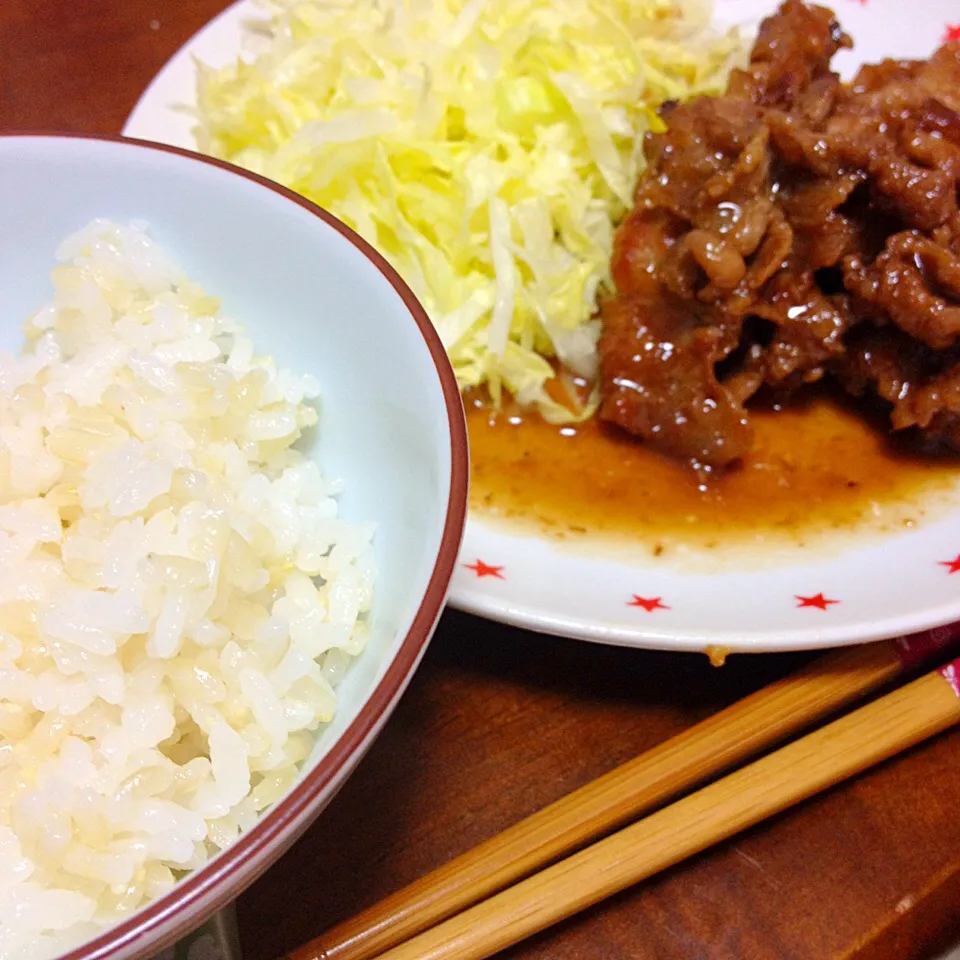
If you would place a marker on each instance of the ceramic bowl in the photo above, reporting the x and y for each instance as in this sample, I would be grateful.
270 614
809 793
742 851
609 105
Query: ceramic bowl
318 298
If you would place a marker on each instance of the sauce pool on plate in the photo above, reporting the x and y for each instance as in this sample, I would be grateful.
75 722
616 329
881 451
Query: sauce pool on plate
819 466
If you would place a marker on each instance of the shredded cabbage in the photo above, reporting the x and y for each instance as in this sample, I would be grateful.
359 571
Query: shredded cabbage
485 147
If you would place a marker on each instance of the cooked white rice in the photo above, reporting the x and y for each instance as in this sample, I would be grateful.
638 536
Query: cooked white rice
177 595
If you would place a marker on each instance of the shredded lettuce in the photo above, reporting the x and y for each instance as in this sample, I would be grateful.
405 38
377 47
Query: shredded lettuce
486 147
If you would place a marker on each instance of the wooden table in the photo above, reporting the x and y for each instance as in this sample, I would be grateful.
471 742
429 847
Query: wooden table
499 722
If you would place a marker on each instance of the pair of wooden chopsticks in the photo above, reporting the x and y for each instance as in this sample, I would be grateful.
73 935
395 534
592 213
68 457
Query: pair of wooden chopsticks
467 909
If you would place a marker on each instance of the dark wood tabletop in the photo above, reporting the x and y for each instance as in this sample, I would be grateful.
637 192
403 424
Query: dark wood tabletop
499 722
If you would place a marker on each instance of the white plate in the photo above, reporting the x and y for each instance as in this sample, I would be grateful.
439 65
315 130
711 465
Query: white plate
868 591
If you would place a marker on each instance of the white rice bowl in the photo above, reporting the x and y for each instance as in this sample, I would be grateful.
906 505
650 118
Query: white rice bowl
178 598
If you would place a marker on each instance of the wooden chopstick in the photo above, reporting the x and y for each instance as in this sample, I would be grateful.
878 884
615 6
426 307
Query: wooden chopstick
833 753
735 734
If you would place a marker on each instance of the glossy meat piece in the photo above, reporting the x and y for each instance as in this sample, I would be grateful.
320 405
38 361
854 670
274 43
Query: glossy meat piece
922 386
790 62
915 282
885 363
659 359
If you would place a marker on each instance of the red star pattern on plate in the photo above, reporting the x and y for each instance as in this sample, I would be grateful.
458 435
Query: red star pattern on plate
953 566
648 603
952 32
482 570
818 600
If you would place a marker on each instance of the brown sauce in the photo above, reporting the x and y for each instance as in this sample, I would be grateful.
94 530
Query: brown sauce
818 467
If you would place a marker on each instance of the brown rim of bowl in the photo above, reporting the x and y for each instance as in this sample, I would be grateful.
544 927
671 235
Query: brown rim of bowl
201 885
